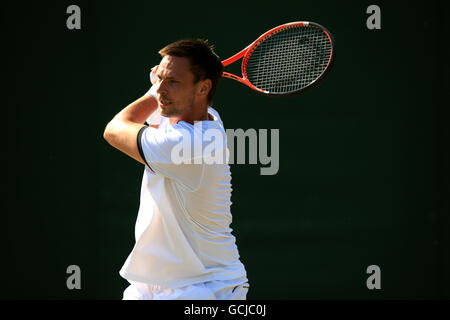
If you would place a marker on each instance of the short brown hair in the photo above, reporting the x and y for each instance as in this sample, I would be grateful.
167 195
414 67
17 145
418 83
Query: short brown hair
205 64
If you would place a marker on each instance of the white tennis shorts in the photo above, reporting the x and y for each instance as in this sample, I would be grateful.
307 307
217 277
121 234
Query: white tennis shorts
211 290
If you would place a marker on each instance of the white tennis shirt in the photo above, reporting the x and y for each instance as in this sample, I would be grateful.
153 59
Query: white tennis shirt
183 233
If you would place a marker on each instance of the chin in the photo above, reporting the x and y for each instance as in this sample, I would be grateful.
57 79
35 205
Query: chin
163 112
169 111
166 113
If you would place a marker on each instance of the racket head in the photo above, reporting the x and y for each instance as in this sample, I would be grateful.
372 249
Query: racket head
289 59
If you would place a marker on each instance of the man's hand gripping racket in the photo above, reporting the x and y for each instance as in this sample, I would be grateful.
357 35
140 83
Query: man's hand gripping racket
286 60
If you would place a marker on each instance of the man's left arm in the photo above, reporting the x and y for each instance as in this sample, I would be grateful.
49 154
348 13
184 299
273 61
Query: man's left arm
122 131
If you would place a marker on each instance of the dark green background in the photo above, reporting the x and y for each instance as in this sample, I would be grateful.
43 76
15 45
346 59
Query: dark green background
364 161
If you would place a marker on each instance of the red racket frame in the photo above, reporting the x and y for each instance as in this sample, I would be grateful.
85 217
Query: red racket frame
246 53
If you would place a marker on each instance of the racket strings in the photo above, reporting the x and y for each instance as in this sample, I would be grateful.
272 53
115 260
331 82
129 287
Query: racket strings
289 60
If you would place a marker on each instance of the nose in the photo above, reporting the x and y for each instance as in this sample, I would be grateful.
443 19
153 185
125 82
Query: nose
161 87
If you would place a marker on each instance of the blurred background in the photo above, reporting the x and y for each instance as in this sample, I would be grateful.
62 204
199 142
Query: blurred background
364 157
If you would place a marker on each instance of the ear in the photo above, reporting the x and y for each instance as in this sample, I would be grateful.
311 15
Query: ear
204 87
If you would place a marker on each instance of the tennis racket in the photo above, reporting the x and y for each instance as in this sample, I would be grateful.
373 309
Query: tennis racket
286 60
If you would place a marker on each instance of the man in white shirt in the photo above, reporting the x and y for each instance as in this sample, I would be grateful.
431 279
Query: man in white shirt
184 247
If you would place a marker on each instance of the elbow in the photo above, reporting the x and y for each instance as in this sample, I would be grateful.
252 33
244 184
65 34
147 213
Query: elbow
114 129
108 134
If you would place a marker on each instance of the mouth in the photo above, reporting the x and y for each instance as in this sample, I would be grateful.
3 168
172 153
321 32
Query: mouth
164 102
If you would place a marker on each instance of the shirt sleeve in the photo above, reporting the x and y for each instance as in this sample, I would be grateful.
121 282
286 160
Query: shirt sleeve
160 149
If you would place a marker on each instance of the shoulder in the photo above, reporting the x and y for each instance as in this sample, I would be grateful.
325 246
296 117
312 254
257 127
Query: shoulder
215 115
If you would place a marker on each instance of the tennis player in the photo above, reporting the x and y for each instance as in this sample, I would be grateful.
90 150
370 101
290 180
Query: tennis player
184 246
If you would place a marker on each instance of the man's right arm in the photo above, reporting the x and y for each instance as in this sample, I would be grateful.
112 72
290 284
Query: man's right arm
122 131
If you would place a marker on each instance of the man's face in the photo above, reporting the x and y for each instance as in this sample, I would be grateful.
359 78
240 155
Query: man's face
176 88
